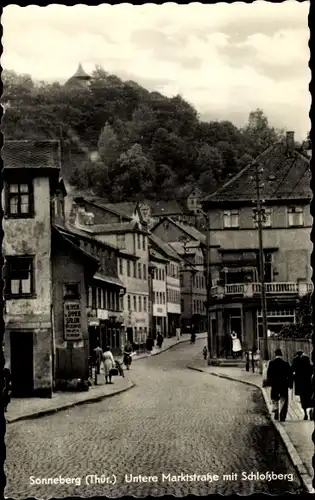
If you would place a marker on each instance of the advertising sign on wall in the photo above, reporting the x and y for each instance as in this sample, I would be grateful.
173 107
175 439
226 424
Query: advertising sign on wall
72 321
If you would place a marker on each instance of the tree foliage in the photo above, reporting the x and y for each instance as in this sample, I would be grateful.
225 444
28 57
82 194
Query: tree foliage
148 145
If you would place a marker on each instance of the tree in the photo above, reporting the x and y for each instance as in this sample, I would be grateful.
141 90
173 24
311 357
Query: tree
136 173
108 146
258 134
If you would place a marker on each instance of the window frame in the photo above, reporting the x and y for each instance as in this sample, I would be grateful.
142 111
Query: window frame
9 196
228 216
293 210
8 280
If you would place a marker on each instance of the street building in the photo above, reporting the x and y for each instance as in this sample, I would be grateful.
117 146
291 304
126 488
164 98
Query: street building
173 304
121 227
159 306
190 244
45 273
236 291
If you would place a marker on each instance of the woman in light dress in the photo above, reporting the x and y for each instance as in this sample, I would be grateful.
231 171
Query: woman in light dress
109 364
236 345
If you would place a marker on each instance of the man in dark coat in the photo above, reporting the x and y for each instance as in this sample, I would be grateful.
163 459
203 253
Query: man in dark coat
302 372
279 376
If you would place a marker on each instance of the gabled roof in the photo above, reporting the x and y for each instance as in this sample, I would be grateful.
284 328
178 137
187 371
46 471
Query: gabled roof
167 207
75 247
157 256
127 208
70 230
190 231
165 248
285 176
99 202
31 154
114 228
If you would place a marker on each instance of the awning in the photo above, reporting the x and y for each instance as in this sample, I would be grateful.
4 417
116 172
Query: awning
111 280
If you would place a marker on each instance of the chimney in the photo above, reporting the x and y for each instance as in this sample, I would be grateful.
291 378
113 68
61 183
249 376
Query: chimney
290 142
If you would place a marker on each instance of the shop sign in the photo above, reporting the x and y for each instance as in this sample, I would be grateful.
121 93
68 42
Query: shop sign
93 322
102 314
72 321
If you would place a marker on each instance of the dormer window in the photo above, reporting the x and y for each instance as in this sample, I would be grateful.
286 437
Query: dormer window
295 216
230 219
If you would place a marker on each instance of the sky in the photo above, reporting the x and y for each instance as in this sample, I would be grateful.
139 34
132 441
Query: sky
225 59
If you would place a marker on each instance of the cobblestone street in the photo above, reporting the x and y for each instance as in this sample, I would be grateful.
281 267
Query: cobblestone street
174 421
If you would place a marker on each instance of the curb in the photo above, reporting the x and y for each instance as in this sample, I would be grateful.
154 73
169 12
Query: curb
166 349
304 476
50 411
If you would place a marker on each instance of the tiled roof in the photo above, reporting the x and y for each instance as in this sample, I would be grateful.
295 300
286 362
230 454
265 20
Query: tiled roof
169 207
180 248
31 154
164 247
112 280
283 177
85 254
192 232
156 256
126 208
101 203
114 228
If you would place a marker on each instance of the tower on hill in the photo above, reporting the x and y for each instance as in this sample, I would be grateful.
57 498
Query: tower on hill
79 79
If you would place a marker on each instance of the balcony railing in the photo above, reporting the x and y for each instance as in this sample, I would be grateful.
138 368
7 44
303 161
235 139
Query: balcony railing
254 289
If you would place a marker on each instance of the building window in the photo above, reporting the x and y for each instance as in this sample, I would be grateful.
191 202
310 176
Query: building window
93 297
121 303
71 291
129 302
134 269
295 216
145 304
20 199
231 218
105 299
139 271
182 305
143 243
20 276
128 268
144 272
134 303
121 241
99 295
121 266
139 304
139 241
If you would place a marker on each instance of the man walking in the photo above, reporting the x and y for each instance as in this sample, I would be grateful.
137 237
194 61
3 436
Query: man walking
279 377
302 372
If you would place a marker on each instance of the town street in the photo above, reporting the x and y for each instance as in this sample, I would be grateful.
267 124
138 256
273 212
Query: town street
174 421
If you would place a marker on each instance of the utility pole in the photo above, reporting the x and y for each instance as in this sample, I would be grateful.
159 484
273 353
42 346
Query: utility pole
211 346
260 215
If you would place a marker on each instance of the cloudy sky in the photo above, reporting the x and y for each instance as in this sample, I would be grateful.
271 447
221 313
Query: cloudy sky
225 59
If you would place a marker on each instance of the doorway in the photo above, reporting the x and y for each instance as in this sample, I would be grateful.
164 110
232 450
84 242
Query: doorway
130 335
22 367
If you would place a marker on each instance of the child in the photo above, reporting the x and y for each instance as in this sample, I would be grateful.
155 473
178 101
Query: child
205 352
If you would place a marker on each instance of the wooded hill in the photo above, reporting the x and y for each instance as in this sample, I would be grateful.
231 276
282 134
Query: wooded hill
148 145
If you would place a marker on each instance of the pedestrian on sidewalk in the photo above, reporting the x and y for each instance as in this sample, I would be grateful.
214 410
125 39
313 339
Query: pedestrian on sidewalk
280 379
178 333
236 345
160 340
205 352
302 374
98 353
109 364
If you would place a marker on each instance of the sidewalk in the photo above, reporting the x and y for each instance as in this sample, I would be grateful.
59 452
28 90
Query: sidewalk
295 432
25 408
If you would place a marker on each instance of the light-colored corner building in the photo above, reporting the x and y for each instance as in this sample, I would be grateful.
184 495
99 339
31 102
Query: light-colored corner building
159 264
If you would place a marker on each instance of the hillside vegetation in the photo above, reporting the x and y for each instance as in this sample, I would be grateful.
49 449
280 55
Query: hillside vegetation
149 145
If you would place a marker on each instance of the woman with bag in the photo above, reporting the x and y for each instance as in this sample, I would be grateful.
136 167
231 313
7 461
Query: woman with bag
109 364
